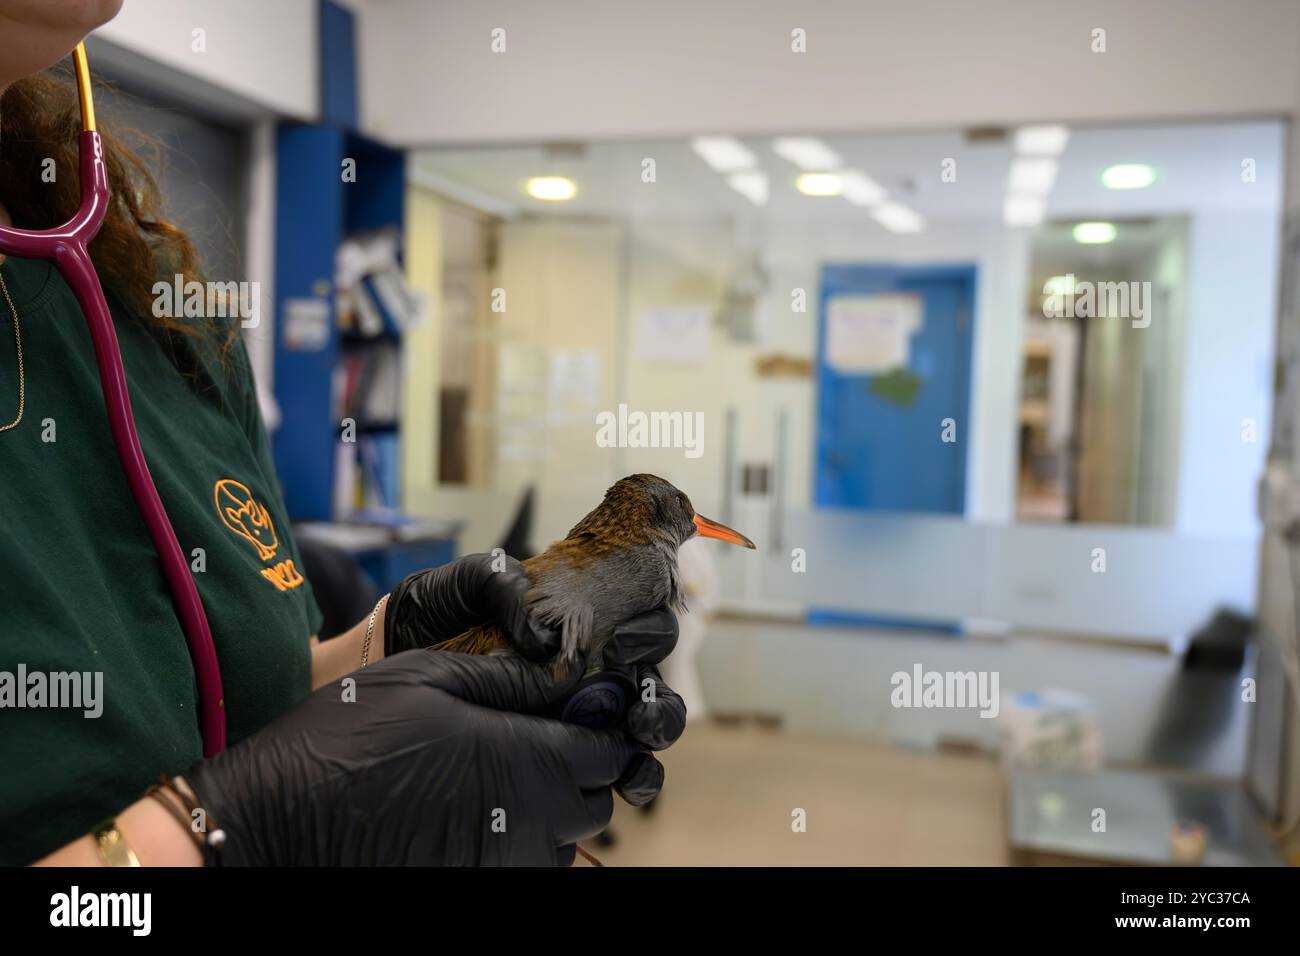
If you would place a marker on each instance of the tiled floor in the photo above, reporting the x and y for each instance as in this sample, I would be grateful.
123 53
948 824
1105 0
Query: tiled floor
731 793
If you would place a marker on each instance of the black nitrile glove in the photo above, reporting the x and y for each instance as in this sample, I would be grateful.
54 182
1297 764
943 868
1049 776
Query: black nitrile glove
429 759
437 604
657 716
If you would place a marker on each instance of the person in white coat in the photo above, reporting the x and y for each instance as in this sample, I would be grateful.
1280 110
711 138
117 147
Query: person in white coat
699 576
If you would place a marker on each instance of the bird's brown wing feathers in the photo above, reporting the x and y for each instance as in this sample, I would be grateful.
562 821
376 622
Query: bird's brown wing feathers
490 639
477 640
575 623
486 638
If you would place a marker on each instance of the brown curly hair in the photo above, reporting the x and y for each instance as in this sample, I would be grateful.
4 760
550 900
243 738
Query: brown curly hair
40 119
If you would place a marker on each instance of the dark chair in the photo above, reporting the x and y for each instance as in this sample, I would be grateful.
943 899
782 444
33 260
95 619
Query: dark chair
344 592
515 542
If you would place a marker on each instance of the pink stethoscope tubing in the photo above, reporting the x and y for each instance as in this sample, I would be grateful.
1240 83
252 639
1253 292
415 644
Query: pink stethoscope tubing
65 247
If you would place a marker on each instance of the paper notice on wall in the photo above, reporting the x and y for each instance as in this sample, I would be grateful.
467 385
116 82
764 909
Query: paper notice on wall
574 386
866 334
575 377
674 334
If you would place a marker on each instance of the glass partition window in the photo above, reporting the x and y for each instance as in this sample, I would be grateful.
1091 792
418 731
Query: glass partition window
986 335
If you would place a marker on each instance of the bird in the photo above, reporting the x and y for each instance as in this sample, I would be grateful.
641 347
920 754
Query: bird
616 563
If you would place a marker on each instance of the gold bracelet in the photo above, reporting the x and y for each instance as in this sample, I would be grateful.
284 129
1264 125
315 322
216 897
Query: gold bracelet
370 631
112 848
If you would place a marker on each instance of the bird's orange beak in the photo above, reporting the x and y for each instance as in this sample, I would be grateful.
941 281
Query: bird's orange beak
711 529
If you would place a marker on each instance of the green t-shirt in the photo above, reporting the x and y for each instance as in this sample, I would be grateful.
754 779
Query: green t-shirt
81 588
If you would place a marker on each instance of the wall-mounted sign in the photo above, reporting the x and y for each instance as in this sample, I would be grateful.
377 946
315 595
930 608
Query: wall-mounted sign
867 334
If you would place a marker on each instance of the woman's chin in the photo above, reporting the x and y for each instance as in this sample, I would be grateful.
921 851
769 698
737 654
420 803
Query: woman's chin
36 34
77 17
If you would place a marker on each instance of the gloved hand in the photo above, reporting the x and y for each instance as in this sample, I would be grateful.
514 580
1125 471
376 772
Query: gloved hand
430 761
436 604
657 716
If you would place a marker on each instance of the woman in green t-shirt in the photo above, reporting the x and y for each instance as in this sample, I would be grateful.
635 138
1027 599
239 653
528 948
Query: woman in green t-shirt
387 766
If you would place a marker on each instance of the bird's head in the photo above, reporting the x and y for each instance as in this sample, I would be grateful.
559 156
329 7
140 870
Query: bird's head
642 507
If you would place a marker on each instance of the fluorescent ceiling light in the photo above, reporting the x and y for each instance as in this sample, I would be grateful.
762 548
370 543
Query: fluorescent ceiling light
807 153
897 218
724 154
1094 233
1128 176
819 184
1042 140
551 188
861 190
1059 285
751 185
1032 177
1023 210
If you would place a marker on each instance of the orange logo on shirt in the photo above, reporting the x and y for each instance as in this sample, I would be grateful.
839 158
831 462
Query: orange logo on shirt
251 520
247 518
284 575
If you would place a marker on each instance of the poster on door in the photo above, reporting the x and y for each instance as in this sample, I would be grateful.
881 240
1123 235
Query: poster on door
871 334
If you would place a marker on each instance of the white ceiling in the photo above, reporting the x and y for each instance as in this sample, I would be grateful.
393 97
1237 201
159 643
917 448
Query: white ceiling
577 69
1198 168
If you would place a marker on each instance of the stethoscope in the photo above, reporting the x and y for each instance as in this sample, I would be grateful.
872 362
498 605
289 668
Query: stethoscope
65 247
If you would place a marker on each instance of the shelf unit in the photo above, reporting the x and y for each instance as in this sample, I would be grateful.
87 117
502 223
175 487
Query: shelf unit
315 211
331 183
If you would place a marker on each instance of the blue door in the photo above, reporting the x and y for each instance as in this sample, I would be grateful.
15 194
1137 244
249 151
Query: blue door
880 432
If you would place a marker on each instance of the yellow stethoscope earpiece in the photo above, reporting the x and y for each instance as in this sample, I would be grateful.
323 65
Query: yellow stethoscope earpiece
83 87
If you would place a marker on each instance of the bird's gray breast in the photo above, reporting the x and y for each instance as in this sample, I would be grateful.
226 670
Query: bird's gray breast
615 587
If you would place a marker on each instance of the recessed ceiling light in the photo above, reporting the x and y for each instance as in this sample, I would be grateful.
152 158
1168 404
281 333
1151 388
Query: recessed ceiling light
1042 140
1095 233
724 154
551 188
1128 176
1023 210
807 153
861 190
819 184
897 218
1032 177
752 185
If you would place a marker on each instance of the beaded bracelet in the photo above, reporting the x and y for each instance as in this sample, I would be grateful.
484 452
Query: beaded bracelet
210 840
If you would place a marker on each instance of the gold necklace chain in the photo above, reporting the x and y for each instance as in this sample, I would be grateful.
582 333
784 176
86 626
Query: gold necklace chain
18 343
